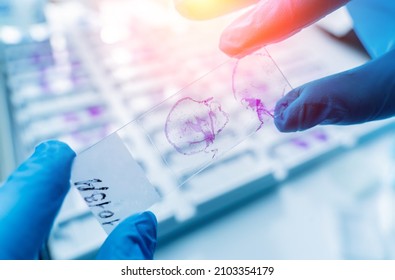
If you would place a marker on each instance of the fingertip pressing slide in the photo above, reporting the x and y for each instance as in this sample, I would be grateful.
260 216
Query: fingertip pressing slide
272 21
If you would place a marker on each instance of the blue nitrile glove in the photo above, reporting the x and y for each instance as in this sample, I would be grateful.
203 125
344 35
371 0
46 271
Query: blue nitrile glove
134 238
363 94
359 95
32 196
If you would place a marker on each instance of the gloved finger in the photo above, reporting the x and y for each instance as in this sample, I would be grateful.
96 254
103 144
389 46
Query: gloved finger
207 9
272 21
133 239
359 95
31 198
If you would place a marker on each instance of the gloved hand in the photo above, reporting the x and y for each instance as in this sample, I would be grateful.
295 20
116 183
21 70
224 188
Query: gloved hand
32 196
363 94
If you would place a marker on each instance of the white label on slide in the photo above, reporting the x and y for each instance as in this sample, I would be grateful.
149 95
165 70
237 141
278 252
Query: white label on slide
111 182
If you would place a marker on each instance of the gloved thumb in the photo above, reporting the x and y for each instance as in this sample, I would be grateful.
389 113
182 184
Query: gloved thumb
133 239
359 95
31 198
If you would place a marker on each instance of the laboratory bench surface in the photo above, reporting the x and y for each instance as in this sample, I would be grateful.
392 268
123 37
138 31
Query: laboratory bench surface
343 208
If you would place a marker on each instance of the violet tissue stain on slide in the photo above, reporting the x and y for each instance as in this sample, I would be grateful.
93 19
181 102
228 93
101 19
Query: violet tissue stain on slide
251 89
192 126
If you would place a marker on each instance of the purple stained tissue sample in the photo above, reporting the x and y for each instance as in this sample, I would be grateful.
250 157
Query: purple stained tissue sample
321 136
95 111
257 106
257 85
192 126
300 143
